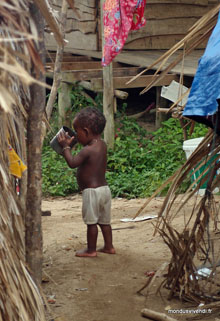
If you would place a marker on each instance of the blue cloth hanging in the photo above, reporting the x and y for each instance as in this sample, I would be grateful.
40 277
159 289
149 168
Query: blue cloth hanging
202 103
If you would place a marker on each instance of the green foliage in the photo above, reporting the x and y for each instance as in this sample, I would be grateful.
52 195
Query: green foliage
79 101
142 161
58 178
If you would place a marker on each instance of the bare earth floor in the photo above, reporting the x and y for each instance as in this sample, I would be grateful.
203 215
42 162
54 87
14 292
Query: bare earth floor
105 288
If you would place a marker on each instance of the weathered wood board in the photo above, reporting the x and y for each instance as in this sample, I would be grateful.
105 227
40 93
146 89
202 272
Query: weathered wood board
77 3
76 39
83 26
78 75
81 16
196 2
142 81
159 11
157 42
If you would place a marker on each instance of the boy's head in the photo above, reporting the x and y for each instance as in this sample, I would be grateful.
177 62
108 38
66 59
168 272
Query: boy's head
92 119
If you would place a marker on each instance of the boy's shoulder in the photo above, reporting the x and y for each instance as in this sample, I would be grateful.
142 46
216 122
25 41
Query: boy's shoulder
97 145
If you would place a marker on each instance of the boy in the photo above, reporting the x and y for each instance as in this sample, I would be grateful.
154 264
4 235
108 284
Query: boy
91 164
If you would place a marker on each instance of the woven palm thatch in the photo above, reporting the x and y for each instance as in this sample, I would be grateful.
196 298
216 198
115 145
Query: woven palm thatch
20 298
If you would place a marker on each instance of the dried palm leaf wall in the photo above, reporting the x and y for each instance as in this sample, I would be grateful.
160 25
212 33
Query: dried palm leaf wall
19 297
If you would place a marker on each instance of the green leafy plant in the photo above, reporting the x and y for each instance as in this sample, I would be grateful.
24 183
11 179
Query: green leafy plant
142 161
58 178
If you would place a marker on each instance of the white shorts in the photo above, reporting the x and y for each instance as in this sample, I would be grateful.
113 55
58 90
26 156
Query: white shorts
96 206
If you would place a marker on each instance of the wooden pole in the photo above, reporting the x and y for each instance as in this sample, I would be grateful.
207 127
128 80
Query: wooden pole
33 230
58 62
64 104
160 103
108 96
57 67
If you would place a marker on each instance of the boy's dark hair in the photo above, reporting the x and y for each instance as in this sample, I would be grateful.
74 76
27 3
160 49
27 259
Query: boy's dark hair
91 118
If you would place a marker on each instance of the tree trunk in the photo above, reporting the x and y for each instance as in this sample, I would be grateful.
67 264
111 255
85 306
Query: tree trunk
33 232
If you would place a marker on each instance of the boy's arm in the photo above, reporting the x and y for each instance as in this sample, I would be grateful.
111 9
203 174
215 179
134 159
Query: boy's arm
76 160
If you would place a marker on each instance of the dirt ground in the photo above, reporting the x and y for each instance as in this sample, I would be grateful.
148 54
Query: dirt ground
105 288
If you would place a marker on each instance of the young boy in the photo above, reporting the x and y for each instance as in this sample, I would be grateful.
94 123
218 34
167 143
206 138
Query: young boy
91 164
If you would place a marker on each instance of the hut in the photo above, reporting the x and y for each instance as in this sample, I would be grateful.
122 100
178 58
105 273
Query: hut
167 23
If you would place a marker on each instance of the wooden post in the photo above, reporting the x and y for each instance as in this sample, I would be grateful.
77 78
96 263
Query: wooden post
33 230
108 96
64 104
57 68
160 103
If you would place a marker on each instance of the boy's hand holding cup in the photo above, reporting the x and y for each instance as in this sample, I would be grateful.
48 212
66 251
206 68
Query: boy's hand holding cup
66 138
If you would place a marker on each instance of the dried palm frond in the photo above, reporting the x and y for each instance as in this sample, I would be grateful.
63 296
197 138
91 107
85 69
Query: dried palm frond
197 34
194 236
184 277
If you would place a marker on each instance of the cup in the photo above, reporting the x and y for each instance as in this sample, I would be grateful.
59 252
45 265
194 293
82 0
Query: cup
55 144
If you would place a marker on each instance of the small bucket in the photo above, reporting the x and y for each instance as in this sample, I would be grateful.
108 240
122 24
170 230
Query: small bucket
55 144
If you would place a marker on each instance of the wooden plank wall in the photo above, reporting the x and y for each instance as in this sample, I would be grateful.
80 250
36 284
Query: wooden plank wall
81 29
167 23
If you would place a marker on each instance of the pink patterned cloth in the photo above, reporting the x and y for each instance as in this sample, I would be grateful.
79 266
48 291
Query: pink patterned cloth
120 16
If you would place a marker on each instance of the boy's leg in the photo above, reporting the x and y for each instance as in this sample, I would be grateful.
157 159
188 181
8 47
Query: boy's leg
107 235
92 234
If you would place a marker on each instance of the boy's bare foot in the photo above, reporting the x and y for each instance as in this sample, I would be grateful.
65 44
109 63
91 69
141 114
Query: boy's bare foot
107 251
85 253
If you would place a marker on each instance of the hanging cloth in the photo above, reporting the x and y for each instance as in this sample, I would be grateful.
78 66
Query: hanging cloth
16 166
202 104
119 17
